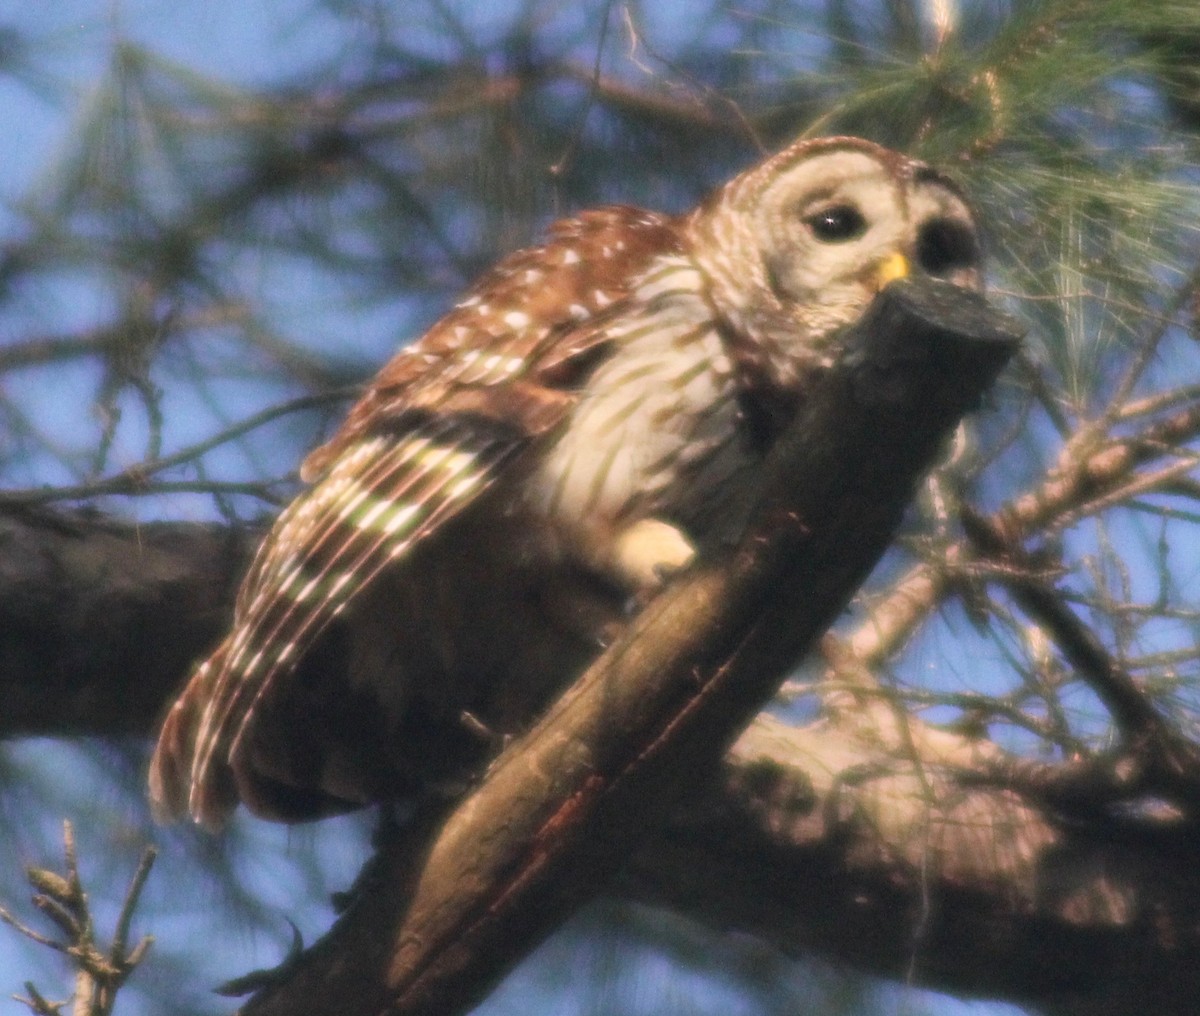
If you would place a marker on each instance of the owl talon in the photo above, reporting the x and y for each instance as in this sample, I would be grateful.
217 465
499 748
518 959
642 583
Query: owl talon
649 552
476 727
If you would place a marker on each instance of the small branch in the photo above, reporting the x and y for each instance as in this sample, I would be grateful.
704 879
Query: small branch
1133 712
99 974
136 479
129 906
1154 758
1147 347
1085 477
38 1004
560 165
1161 479
1159 401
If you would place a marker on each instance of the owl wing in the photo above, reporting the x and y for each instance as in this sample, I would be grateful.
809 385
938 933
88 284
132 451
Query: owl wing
441 423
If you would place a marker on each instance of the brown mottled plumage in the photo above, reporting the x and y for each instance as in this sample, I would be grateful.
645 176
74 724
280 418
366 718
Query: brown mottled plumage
581 425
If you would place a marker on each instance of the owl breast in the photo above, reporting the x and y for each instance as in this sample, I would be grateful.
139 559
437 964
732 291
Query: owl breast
657 430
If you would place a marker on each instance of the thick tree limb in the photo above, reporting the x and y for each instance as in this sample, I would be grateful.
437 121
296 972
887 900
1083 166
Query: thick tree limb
99 621
854 837
564 806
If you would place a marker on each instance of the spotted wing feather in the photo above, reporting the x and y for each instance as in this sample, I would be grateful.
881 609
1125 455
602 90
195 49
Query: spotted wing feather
438 426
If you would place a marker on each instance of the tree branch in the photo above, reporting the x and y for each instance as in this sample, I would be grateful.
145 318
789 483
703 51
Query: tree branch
564 806
856 838
99 621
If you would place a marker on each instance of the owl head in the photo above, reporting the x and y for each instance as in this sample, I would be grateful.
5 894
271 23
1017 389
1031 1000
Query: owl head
799 245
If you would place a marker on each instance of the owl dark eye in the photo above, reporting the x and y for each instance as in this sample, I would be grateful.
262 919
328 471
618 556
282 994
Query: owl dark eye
944 245
836 223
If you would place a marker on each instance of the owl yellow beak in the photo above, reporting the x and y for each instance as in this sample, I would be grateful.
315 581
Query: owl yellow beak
891 268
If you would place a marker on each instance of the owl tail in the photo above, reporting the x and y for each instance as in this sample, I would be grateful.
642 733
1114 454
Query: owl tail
205 765
175 785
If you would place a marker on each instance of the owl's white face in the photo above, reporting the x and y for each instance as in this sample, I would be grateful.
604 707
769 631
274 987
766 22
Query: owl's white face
820 228
829 224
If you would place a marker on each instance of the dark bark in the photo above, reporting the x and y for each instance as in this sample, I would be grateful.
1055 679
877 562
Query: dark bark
856 838
99 621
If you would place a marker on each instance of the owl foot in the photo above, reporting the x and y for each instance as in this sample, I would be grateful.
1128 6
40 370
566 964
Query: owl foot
477 728
649 552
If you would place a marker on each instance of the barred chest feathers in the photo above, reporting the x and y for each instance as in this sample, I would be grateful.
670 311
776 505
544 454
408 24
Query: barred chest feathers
654 438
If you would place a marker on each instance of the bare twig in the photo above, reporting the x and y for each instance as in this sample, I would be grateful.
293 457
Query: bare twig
1081 476
1130 708
136 479
559 166
99 974
1154 757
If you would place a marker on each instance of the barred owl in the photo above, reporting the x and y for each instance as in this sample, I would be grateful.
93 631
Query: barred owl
581 426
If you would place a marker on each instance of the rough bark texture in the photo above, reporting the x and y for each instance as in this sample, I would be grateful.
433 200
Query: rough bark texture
857 837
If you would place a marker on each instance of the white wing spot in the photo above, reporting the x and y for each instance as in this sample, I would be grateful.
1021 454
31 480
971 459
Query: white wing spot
532 275
516 319
401 518
291 579
570 256
307 591
372 513
602 298
578 311
470 301
464 486
351 506
454 462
